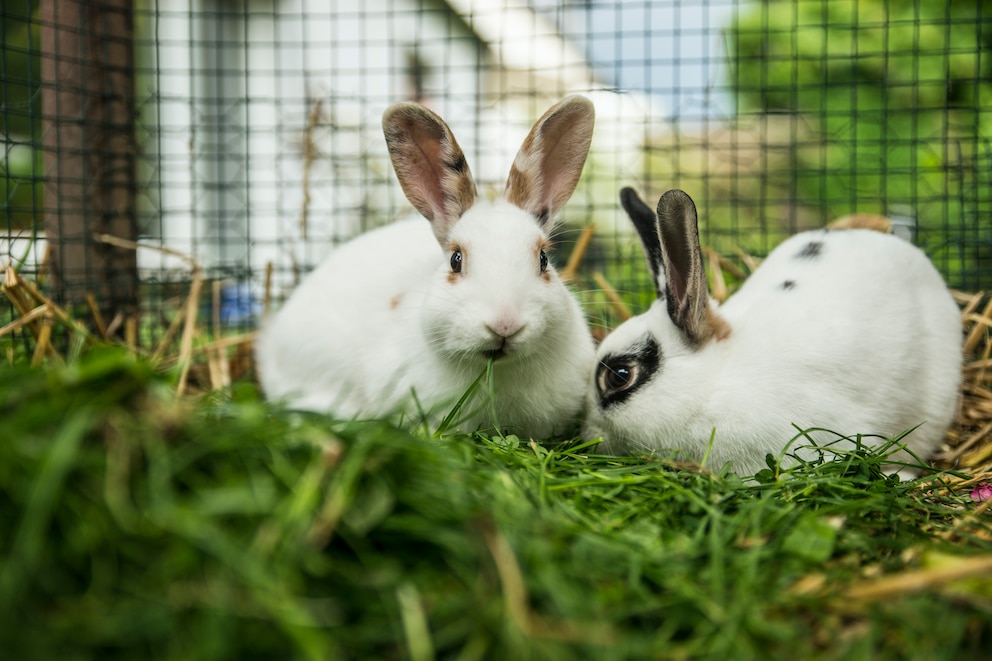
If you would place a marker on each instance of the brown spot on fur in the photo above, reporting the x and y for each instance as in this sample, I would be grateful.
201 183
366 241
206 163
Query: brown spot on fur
712 327
719 328
395 301
518 187
461 189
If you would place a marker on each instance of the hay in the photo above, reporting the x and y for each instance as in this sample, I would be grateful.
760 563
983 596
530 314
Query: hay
205 360
968 444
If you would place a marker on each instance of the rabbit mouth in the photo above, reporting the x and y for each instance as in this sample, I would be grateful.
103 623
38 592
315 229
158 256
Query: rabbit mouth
505 337
497 352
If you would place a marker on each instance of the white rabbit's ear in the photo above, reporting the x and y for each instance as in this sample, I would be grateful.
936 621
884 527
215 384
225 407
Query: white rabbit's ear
646 223
547 167
685 278
429 164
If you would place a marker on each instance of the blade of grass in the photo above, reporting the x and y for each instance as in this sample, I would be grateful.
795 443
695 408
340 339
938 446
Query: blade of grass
415 623
452 416
27 554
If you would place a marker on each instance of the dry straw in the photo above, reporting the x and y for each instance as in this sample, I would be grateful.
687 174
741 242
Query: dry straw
969 441
205 361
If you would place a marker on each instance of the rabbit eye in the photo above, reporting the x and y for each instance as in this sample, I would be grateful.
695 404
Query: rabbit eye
456 261
620 376
613 378
544 261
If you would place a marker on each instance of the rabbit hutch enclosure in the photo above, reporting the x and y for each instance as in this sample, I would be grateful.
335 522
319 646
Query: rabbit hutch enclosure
173 170
198 157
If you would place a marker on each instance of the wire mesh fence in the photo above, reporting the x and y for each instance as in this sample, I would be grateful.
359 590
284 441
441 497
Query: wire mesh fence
241 140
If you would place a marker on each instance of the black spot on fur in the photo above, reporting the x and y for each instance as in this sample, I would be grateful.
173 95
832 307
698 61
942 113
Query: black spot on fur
457 165
619 376
789 284
811 250
542 216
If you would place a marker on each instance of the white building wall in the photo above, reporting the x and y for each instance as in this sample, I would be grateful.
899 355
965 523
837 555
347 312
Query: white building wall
272 94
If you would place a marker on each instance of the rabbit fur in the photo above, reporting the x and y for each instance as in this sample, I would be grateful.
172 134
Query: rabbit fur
402 320
845 331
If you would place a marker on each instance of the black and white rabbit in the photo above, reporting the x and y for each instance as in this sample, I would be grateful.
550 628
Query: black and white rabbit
403 319
851 331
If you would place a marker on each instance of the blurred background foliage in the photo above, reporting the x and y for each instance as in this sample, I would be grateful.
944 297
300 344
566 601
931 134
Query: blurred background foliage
889 103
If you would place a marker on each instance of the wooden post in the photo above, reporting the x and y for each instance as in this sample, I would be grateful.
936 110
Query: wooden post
88 115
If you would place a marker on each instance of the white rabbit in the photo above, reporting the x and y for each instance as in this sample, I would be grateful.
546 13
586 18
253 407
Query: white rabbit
850 331
401 320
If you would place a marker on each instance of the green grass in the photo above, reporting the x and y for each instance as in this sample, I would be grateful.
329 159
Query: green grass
138 525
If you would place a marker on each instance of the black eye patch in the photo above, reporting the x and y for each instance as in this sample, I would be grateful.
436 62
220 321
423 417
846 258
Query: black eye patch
618 376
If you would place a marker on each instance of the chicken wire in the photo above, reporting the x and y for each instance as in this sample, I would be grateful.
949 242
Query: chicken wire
246 142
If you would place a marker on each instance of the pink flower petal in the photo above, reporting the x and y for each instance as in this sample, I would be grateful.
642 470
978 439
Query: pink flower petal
982 492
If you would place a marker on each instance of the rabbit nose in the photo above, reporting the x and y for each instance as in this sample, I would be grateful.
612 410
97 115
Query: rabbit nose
505 327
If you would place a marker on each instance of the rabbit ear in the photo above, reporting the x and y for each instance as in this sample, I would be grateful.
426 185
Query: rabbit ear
685 277
429 164
646 224
547 167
